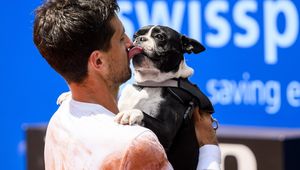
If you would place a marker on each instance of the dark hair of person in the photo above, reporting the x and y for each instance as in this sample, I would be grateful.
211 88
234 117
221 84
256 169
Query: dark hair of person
66 32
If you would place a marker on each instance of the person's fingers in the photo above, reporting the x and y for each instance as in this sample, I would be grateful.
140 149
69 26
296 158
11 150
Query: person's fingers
205 132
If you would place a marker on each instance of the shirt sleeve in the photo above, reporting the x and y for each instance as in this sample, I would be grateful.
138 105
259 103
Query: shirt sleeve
145 152
209 158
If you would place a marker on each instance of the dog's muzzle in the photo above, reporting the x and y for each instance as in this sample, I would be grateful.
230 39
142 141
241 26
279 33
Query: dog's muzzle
134 50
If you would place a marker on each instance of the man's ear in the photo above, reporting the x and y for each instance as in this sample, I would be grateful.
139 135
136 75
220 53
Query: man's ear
96 59
190 45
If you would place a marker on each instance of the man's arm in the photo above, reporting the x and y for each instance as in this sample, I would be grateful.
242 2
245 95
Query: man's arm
145 152
209 152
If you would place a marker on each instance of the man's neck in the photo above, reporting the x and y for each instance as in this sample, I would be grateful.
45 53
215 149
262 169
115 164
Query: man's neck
98 93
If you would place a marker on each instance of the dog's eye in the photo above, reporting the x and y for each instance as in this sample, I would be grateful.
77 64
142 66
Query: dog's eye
159 36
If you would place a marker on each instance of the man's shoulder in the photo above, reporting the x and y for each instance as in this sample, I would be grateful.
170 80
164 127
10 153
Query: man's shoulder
135 131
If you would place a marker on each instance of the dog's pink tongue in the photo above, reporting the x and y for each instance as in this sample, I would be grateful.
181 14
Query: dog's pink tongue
134 51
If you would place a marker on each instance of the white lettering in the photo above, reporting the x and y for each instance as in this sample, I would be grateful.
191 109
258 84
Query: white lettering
218 23
243 95
220 27
226 92
245 157
194 20
250 25
273 97
293 93
273 38
142 13
160 14
212 89
126 9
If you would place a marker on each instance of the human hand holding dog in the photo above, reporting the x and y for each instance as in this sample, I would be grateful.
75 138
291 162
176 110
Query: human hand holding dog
205 132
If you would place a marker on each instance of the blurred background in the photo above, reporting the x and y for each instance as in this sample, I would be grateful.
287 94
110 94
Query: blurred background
250 69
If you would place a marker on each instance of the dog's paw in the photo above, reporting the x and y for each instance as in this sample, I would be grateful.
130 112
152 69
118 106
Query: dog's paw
64 96
130 117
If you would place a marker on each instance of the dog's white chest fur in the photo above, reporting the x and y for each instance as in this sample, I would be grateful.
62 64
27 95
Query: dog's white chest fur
132 98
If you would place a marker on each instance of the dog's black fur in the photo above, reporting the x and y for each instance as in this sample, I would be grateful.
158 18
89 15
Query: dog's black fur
170 119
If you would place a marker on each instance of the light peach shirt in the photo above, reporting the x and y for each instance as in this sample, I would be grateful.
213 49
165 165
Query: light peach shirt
84 136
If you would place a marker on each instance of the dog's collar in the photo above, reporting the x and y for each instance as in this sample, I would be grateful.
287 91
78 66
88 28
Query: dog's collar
167 83
184 84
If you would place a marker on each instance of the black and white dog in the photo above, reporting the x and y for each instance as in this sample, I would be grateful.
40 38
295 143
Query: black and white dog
162 98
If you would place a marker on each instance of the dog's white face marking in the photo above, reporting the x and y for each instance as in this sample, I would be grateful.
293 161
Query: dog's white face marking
146 70
150 44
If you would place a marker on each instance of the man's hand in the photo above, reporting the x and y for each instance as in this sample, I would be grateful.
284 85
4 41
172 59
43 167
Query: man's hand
205 132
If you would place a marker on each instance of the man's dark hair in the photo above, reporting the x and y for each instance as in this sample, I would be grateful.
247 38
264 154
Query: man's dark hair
66 32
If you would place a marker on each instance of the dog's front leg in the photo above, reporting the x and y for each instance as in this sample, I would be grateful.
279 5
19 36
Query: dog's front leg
130 117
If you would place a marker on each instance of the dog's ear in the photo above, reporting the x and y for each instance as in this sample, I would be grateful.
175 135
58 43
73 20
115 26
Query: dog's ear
190 45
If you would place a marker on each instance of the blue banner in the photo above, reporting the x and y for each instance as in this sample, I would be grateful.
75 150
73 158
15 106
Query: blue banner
250 69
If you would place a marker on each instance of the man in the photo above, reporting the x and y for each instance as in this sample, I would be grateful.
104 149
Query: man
85 42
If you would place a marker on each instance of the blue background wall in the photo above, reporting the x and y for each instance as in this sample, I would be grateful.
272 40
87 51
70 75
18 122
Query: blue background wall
250 69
